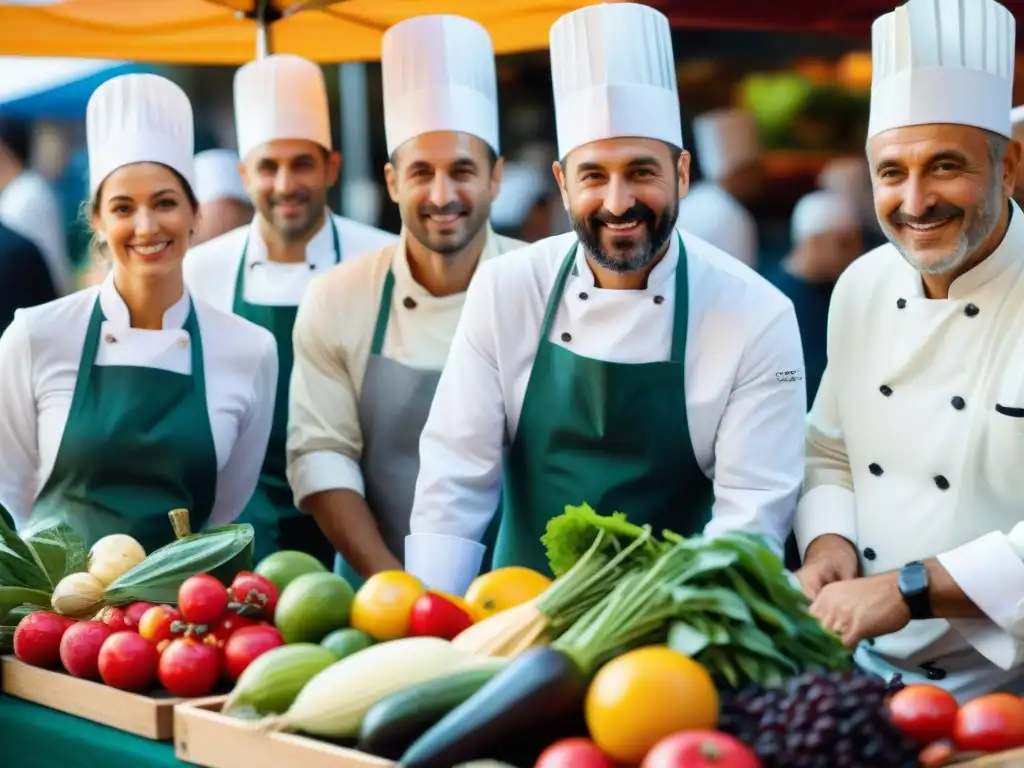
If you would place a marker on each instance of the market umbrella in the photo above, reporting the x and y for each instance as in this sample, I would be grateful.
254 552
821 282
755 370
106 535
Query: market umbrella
231 31
53 89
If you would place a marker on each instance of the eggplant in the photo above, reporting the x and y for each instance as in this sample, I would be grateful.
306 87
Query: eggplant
541 686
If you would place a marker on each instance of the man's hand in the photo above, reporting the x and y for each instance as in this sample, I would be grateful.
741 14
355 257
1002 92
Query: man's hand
859 609
829 559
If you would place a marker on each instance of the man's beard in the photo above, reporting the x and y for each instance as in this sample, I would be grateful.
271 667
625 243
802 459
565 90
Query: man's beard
972 234
295 230
636 253
474 220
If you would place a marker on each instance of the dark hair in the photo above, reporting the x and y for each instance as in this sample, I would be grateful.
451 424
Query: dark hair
492 156
16 136
674 151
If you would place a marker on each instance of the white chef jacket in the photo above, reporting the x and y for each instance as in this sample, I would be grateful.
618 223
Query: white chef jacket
332 348
30 207
914 449
39 359
746 399
211 267
712 214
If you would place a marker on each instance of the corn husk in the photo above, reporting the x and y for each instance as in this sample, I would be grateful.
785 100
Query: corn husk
506 634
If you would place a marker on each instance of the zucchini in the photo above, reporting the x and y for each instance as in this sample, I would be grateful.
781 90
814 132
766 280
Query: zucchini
394 723
538 687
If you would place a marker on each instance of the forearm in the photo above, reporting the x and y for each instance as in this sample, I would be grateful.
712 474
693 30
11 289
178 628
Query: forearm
348 523
948 600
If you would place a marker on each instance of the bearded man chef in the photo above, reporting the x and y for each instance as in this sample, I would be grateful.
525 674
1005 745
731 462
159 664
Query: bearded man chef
261 271
629 365
915 438
729 154
361 389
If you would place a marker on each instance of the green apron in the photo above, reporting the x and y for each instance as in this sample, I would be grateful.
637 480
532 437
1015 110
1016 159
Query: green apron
137 444
613 435
271 510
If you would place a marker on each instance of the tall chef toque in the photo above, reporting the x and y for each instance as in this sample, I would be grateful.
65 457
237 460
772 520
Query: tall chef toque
138 118
945 61
614 76
281 97
217 177
724 140
439 75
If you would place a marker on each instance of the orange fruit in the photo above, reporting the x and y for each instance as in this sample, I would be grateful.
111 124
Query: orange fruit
639 698
383 605
504 588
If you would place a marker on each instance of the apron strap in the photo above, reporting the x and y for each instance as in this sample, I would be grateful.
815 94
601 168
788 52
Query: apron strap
556 292
88 359
196 341
383 313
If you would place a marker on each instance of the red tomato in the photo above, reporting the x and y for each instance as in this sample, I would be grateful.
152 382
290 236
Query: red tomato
202 600
37 638
128 661
80 648
700 749
246 645
251 589
573 753
926 713
157 624
435 616
135 611
226 627
991 723
117 619
188 668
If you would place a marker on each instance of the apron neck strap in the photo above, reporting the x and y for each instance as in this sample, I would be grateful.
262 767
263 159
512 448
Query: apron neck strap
681 316
383 313
240 274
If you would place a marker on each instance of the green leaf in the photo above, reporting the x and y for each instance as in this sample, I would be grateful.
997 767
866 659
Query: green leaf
754 640
764 611
568 536
15 597
59 551
707 562
686 639
723 602
10 539
719 661
16 571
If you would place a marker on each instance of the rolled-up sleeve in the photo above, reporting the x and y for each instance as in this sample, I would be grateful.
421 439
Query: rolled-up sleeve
759 450
459 484
325 442
990 571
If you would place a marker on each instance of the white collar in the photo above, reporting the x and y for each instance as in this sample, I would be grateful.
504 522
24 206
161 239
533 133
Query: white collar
403 273
319 249
116 311
663 271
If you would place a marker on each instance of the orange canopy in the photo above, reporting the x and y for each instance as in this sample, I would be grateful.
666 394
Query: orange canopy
226 32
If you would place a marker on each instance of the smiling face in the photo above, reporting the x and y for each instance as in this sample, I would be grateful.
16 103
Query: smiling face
940 191
287 181
443 183
623 198
145 215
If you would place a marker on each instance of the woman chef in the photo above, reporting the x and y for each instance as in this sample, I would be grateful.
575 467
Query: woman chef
127 400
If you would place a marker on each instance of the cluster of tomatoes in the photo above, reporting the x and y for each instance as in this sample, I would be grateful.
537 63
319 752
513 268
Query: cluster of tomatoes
214 632
932 717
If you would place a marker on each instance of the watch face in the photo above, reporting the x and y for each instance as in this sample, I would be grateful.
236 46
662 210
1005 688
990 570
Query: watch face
913 578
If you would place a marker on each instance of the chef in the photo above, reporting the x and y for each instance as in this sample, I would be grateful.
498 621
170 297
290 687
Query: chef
1017 118
850 177
626 365
223 201
826 235
729 154
910 522
133 398
362 387
261 271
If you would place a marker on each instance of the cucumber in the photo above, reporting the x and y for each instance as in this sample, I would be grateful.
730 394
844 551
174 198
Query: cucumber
395 722
271 682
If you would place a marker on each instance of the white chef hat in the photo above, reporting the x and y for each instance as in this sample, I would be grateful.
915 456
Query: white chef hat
138 118
217 176
822 211
947 61
1017 122
724 140
614 76
281 97
439 74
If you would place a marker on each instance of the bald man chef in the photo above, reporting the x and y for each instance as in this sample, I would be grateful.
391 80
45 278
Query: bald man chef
261 271
911 521
626 364
223 201
729 155
362 388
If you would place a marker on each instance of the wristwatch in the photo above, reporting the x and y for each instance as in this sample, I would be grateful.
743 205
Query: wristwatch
913 584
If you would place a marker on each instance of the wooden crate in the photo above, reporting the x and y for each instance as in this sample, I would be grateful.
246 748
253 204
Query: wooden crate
1012 759
204 736
149 716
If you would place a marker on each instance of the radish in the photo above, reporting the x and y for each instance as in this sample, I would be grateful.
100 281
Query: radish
37 638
